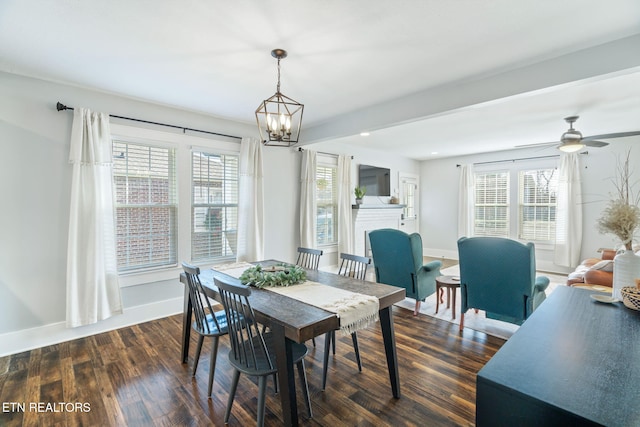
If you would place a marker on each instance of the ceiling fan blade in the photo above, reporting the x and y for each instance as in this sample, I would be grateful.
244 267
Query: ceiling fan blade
611 135
537 144
591 143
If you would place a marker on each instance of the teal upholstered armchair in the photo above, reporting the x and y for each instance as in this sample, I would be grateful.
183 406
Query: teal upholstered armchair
397 259
499 276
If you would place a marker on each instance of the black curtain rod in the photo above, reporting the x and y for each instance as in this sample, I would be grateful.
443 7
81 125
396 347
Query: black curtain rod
520 159
320 152
61 107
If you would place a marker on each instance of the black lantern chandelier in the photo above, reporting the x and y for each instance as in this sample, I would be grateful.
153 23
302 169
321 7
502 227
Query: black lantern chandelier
279 117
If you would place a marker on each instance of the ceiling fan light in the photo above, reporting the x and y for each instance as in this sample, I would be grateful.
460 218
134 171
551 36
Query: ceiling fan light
570 147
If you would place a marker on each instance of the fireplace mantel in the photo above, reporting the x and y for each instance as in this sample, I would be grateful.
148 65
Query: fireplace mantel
378 206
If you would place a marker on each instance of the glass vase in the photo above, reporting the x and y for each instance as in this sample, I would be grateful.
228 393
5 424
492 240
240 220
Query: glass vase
626 268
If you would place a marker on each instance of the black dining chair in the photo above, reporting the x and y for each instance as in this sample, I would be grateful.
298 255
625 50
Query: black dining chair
350 266
252 352
207 323
309 258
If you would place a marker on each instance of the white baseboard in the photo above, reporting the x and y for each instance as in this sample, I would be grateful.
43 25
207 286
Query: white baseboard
541 265
550 267
440 253
28 339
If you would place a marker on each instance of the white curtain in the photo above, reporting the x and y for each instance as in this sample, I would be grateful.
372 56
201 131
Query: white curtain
568 212
308 199
251 203
345 229
466 201
93 290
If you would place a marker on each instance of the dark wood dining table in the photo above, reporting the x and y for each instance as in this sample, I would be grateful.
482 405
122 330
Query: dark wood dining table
293 321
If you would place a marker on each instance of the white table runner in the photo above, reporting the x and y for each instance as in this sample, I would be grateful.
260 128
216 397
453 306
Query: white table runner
355 311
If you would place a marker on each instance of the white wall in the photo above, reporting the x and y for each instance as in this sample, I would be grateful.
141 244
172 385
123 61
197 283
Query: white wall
35 180
439 197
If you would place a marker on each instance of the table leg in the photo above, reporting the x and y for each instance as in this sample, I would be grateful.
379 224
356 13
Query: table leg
438 296
186 325
386 323
284 361
453 310
448 297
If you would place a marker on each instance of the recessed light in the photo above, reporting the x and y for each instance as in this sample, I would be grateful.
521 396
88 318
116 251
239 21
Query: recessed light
433 153
364 133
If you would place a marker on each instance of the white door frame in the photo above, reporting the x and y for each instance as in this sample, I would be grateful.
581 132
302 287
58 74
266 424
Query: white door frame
404 177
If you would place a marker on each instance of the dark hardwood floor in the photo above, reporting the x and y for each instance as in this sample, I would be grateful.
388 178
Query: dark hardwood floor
133 377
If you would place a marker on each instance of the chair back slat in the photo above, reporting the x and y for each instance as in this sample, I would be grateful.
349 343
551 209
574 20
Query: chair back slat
246 340
354 266
309 258
199 301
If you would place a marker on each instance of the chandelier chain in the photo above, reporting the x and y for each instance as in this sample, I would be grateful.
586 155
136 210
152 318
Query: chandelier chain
278 86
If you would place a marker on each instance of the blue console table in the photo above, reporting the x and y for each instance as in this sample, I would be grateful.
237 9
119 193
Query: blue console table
575 361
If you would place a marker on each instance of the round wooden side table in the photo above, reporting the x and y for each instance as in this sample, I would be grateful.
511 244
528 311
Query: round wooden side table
450 283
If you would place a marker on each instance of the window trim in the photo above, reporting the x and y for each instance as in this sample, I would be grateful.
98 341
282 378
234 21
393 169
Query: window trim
521 205
173 204
327 160
514 168
191 197
508 204
183 144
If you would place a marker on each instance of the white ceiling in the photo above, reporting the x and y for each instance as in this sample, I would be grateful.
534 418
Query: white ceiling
349 60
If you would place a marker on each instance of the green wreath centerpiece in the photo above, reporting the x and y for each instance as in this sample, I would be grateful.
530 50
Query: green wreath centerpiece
275 275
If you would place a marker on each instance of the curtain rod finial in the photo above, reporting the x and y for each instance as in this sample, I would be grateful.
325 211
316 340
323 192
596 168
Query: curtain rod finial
60 106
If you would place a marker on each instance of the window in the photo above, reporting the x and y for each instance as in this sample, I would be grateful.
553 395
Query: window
176 200
327 203
146 205
492 204
409 188
214 206
537 204
532 218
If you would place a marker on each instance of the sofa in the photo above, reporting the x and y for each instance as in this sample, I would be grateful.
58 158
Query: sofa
594 271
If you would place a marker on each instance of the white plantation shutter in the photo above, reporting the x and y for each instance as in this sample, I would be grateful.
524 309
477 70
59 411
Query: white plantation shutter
537 206
146 205
491 216
327 202
214 219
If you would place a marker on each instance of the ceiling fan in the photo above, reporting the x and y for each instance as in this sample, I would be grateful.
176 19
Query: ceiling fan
572 139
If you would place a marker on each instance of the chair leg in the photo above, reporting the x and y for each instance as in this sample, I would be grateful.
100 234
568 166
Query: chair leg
461 321
212 364
325 363
197 356
305 386
417 309
232 395
313 340
354 338
262 390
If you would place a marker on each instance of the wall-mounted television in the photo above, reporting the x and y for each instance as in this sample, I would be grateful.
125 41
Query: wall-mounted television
377 180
